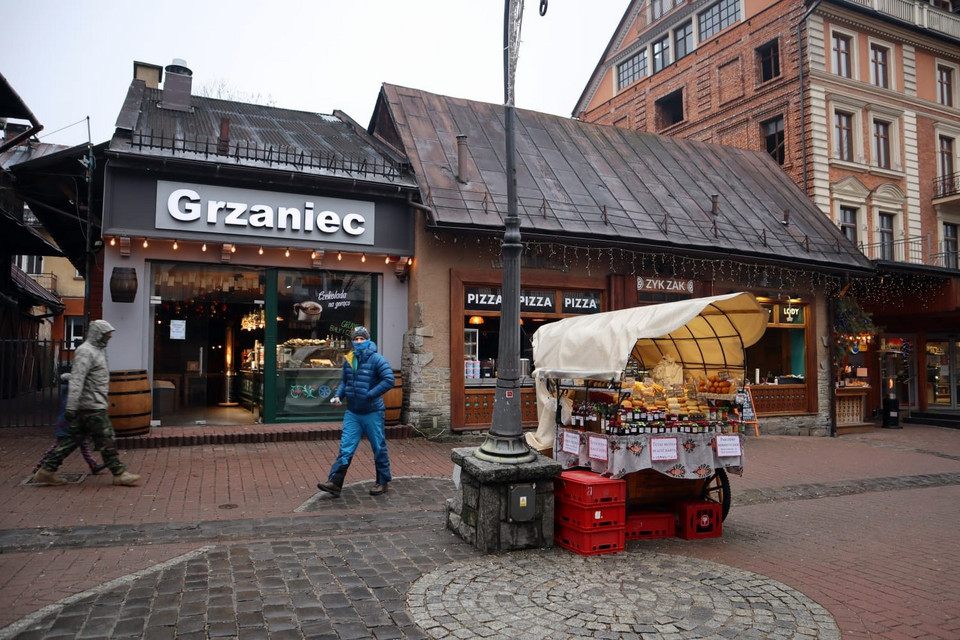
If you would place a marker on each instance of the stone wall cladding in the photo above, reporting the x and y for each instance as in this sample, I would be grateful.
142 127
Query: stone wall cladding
426 397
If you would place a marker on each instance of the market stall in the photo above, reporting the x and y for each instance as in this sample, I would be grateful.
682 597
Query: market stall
649 390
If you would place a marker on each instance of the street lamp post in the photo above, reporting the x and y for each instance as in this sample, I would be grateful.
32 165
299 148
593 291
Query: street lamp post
505 442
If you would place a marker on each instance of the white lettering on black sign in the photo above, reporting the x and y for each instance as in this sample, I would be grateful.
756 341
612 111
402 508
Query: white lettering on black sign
581 302
215 209
664 284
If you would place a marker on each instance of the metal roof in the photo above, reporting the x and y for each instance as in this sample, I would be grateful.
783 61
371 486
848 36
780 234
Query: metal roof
608 186
259 136
32 291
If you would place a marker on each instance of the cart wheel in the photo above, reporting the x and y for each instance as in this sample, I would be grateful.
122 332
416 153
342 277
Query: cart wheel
717 489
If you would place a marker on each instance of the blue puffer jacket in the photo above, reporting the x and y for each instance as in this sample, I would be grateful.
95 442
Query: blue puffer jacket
365 379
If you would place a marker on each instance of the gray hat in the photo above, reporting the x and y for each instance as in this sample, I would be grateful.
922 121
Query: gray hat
361 332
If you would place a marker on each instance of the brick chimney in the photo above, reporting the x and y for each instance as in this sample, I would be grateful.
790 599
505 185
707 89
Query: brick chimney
177 86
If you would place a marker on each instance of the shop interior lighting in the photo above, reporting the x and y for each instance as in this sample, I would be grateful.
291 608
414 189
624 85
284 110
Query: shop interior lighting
260 251
387 261
145 243
125 246
204 247
175 245
339 256
475 320
113 241
363 257
286 253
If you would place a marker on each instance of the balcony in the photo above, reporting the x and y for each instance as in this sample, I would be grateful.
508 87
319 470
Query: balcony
920 14
46 280
920 251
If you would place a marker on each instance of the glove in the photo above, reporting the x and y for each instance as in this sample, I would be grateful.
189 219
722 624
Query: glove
335 401
70 415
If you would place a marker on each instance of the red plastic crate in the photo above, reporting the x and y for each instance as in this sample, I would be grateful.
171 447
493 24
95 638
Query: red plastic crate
587 518
699 519
642 525
588 488
591 543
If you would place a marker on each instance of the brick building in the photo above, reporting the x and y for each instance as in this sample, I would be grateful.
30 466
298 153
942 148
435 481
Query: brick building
857 102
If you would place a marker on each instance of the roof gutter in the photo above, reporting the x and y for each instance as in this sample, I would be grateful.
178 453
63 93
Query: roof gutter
431 214
803 115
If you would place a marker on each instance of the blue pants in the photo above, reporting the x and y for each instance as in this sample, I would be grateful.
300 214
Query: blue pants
355 426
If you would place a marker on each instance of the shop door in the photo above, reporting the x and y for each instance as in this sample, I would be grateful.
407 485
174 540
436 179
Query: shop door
941 379
199 342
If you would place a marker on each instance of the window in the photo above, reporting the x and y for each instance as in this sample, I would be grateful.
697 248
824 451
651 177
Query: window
30 264
880 66
946 157
683 36
848 223
670 109
950 245
718 17
841 54
881 144
768 56
661 53
773 135
73 331
632 70
885 232
945 85
659 7
843 132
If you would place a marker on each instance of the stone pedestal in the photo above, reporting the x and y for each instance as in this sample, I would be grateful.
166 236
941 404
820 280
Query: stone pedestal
491 510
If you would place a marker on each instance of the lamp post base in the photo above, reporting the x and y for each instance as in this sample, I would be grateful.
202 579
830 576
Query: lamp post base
505 450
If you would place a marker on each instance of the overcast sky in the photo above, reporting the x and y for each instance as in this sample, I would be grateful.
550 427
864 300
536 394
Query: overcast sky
70 59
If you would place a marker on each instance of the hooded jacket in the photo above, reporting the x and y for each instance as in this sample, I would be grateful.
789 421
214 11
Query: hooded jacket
366 377
90 373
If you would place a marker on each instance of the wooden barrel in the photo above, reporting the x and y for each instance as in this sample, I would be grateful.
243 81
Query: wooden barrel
131 402
393 400
123 284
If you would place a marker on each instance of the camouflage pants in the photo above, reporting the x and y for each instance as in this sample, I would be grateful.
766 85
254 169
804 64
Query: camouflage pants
96 426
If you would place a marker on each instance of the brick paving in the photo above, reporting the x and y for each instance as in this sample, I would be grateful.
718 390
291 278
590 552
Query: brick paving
848 536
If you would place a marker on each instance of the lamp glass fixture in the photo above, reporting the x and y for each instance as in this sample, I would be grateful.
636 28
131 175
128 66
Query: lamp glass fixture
175 245
113 241
286 253
233 248
475 320
387 260
260 251
339 256
145 243
204 247
363 257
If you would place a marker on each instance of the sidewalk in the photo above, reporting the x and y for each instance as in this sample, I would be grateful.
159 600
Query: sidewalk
828 537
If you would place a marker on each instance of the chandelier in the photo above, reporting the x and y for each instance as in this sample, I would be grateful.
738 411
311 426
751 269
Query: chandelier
253 320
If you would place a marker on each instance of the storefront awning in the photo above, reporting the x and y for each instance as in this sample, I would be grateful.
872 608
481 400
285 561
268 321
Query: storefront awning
703 335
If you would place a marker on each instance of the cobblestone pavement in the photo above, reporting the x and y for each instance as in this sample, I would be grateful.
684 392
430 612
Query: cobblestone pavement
831 538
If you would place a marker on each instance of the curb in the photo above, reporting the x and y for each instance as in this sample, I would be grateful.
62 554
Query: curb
186 436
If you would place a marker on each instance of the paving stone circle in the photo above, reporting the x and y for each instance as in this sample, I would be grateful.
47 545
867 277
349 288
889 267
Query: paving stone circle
634 594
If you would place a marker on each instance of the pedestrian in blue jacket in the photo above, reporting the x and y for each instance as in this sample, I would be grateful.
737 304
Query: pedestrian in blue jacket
366 377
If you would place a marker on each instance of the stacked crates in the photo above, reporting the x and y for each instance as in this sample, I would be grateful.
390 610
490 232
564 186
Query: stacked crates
590 513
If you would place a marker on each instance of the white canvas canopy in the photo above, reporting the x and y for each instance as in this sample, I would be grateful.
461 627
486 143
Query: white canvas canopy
704 335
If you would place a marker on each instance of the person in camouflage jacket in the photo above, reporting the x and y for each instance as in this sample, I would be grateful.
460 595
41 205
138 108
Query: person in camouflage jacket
86 410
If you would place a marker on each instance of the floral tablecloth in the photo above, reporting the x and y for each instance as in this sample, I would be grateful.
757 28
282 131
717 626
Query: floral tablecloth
688 456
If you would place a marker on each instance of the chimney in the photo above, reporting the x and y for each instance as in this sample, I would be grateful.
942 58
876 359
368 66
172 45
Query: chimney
177 86
151 74
223 142
462 159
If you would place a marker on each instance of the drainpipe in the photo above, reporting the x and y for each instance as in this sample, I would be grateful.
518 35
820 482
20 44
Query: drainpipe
803 117
431 214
